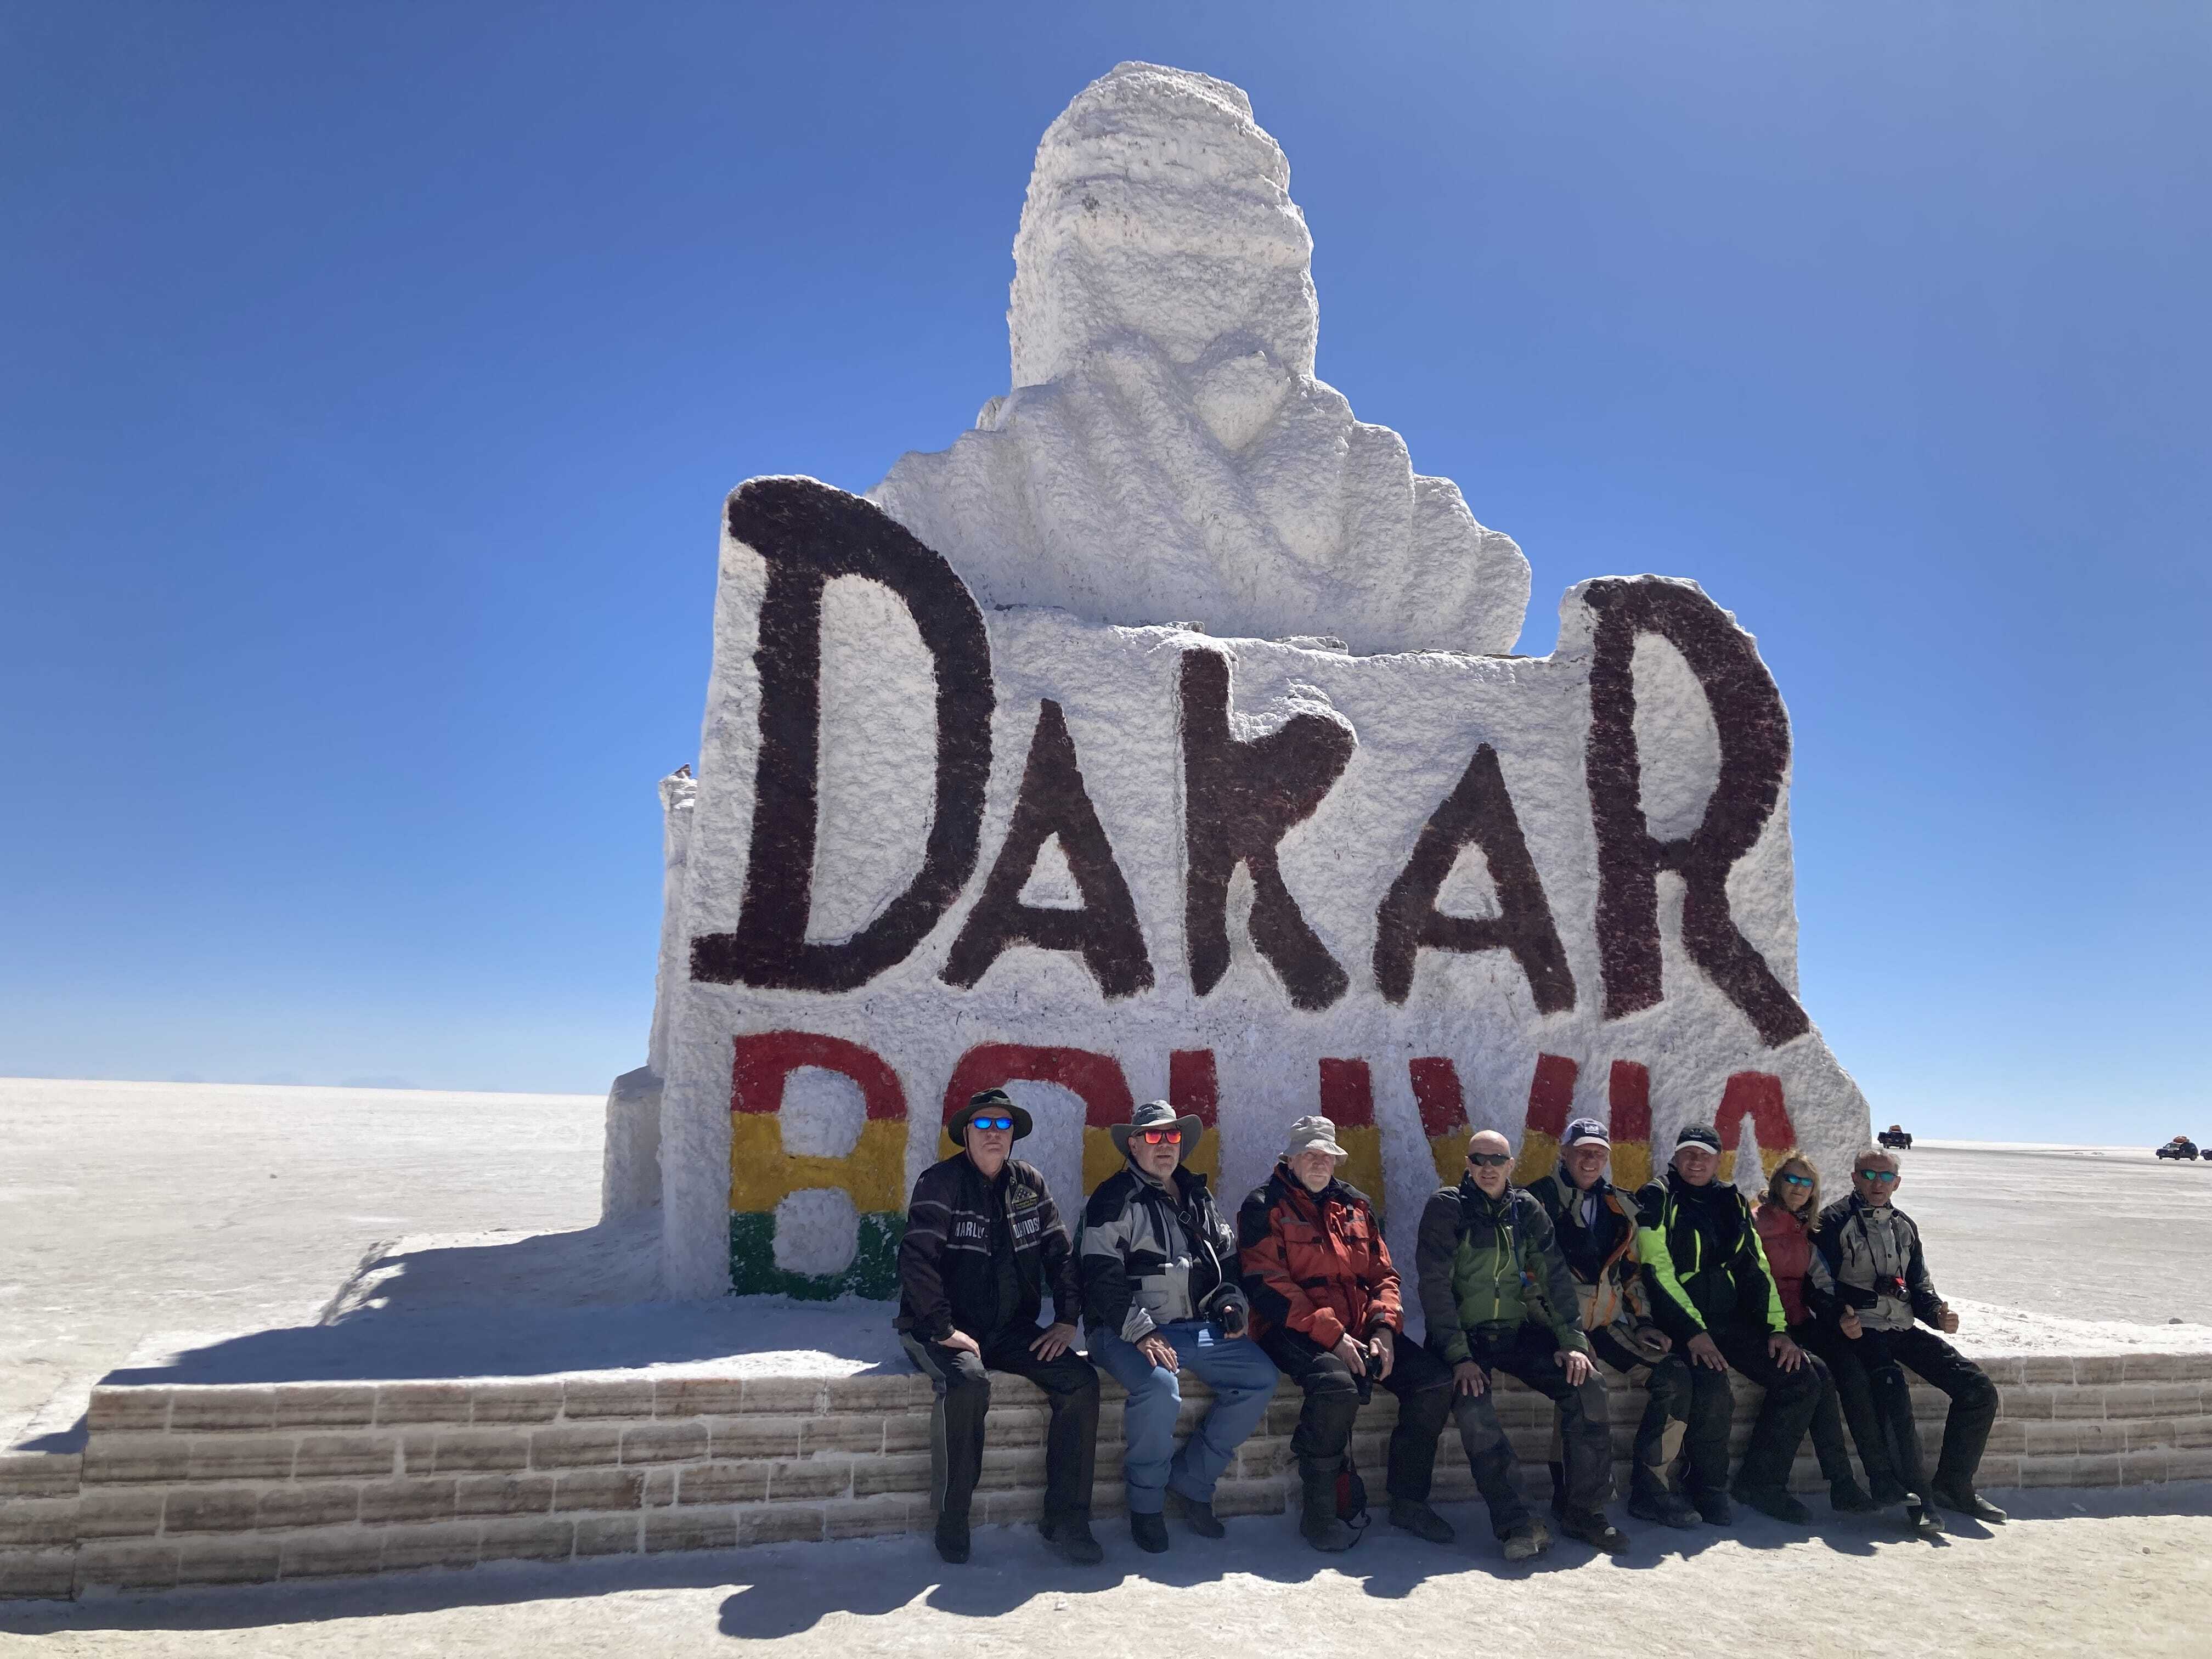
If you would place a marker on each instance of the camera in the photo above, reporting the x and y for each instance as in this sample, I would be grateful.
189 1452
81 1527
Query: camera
1229 1310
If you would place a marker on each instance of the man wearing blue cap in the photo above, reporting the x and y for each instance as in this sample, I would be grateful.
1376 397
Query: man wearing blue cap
983 1242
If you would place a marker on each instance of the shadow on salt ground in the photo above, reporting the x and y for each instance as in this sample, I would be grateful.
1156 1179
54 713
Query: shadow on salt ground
789 1589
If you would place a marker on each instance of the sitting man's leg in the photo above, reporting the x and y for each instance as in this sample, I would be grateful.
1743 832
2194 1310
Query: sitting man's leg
1324 1430
1848 1359
1655 1483
1585 1431
1792 1395
960 1395
1490 1459
1148 1423
1071 1440
1966 1427
1243 1381
1423 1386
1705 1446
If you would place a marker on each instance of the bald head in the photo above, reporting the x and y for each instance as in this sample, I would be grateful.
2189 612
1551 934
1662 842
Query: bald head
1490 1161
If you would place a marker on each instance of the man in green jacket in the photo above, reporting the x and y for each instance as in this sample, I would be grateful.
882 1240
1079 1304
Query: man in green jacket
1498 1296
1712 1293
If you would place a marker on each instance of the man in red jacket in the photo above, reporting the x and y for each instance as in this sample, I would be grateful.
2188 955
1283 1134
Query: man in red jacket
1326 1306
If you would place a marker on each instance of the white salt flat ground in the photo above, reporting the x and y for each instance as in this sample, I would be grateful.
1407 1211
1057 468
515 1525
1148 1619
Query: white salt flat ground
131 1209
2108 1573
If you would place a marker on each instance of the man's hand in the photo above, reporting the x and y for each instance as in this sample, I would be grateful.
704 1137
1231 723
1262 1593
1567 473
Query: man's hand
1383 1347
1703 1351
961 1342
1786 1354
1055 1341
1467 1378
1948 1322
1576 1365
1158 1351
1354 1354
1850 1325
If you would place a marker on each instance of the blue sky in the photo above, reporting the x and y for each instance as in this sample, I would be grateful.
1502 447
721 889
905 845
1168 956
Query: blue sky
375 375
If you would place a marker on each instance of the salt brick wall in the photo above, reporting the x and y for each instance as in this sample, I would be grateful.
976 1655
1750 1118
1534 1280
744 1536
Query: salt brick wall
203 1485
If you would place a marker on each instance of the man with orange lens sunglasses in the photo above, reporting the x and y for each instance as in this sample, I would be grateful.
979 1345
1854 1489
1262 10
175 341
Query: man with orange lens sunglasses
1161 1296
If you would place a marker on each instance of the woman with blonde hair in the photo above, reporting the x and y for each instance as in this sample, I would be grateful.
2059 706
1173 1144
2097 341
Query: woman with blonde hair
1785 1215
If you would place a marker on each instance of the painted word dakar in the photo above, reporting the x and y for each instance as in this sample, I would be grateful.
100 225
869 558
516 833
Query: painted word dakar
1240 796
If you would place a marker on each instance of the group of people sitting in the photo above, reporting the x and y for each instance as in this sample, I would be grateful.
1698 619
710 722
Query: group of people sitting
1553 1284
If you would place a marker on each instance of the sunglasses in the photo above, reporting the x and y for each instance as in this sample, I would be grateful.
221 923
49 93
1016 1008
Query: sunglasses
1489 1160
1798 1181
1875 1175
1161 1137
990 1123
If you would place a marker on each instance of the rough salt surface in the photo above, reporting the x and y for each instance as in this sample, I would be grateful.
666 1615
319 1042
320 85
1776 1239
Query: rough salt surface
1165 451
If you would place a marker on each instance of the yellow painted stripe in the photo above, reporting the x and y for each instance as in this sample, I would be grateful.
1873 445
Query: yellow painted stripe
762 1175
1540 1155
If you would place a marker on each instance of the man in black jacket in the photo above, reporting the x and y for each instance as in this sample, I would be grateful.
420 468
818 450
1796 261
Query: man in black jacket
983 1240
1868 1286
1711 1293
1595 1224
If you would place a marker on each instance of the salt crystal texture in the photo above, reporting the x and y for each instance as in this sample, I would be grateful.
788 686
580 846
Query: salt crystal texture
1167 504
1166 451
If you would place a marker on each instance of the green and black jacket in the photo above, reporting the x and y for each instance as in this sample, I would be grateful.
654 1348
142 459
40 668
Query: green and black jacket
1486 1261
1703 1263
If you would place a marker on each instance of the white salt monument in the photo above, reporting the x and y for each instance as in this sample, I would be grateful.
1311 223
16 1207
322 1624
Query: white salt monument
1160 738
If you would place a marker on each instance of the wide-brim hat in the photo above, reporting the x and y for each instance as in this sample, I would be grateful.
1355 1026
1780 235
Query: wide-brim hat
988 1100
1313 1134
1154 1115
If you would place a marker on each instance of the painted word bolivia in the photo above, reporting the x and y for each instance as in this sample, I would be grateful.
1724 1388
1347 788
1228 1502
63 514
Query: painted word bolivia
972 812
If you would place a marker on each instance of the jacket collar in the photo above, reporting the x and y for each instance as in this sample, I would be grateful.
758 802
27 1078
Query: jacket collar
1471 1193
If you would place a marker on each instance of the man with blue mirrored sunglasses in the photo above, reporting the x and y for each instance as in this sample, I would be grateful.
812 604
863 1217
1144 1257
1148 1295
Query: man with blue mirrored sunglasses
983 1242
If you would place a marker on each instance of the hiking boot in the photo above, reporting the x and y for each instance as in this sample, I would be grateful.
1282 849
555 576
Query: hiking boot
1527 1540
1777 1502
1317 1521
1713 1506
952 1539
1199 1517
1070 1537
1594 1530
1920 1516
1151 1532
1668 1509
1847 1497
1966 1501
1420 1520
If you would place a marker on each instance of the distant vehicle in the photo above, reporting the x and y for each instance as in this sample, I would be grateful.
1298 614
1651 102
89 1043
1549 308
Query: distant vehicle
2179 1148
1894 1137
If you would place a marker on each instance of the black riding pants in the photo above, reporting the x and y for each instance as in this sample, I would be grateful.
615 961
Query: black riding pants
1792 1396
1420 1379
1530 1353
961 1382
1877 1399
1666 1413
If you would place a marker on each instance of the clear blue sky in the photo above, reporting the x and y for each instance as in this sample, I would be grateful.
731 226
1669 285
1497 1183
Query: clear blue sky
373 376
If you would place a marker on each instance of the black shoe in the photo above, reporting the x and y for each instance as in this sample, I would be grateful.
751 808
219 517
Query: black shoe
1317 1520
1965 1501
1594 1530
1420 1520
1777 1502
1668 1509
1713 1506
1070 1537
1846 1497
1199 1517
1151 1532
1920 1516
952 1539
1889 1491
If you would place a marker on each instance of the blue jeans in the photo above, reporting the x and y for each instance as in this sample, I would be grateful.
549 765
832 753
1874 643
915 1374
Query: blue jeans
1243 1379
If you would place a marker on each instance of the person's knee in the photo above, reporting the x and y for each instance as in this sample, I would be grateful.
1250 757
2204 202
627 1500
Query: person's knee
1334 1379
1477 1420
1976 1392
